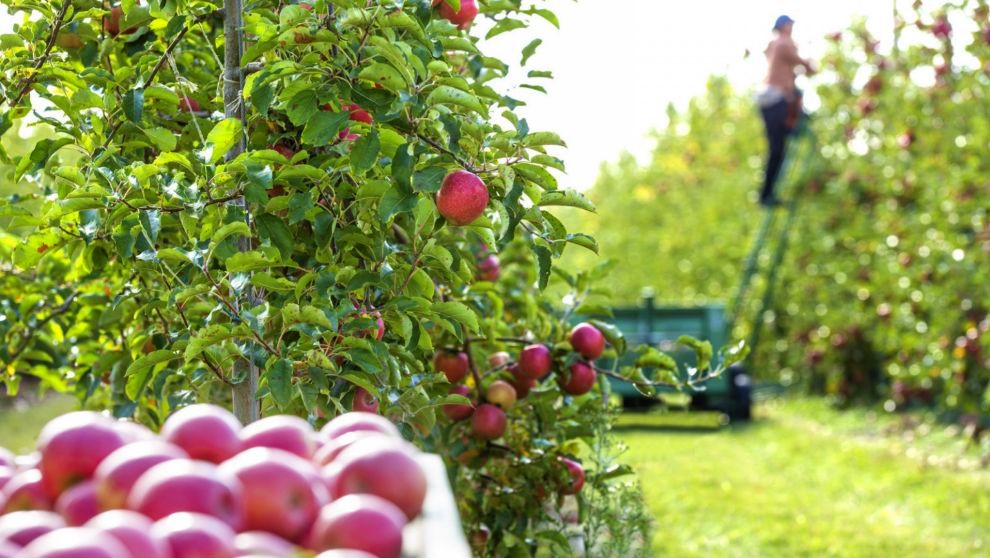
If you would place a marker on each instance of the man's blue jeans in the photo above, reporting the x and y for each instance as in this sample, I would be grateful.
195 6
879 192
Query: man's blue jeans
775 118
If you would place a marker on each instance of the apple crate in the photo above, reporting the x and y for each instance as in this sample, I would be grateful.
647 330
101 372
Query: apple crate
437 532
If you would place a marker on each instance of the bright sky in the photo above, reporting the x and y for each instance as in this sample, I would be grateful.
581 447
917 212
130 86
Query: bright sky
617 64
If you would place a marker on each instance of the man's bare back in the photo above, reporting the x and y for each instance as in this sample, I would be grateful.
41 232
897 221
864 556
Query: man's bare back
782 58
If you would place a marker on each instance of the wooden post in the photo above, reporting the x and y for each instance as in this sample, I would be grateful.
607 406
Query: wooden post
246 405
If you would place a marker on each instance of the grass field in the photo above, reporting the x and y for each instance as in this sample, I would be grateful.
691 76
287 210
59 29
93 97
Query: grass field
802 481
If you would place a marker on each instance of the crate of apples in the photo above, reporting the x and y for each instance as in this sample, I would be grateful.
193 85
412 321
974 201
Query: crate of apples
206 487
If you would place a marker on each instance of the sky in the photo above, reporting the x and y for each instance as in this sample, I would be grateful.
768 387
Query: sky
617 65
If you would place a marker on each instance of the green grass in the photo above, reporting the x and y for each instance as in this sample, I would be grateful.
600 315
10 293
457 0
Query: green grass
20 421
801 481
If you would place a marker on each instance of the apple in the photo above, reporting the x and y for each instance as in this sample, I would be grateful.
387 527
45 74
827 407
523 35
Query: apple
75 542
132 530
283 150
78 504
463 17
588 341
6 473
27 461
71 447
7 458
522 383
132 432
284 432
489 269
456 412
462 198
9 550
499 359
385 467
453 364
488 422
24 491
501 393
205 432
188 104
262 544
278 497
183 485
194 535
329 452
941 27
111 23
480 537
581 379
22 527
117 474
577 476
345 553
363 401
535 361
359 522
353 421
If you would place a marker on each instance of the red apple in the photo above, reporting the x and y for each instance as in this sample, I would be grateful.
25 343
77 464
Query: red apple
587 341
581 379
71 447
24 491
501 393
351 422
27 461
345 553
7 458
132 530
358 114
577 476
111 23
6 473
278 497
75 542
182 485
22 527
522 383
499 359
385 467
194 535
364 401
283 150
188 104
332 449
284 432
9 550
132 432
78 504
262 544
489 269
453 364
457 412
359 522
535 361
117 473
205 432
488 422
462 197
463 17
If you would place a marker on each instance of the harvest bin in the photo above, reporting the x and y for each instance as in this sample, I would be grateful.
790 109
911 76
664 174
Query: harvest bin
437 532
660 326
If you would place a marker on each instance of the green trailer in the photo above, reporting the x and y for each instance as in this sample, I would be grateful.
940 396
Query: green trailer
660 326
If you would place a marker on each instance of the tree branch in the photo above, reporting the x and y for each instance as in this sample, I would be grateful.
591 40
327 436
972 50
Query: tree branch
31 331
29 80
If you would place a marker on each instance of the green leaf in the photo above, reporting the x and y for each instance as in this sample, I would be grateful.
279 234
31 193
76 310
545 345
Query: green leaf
249 261
221 139
545 261
529 50
384 75
364 152
275 230
612 334
447 95
583 240
139 371
280 382
133 104
395 201
323 127
456 312
162 138
302 107
299 205
239 228
567 198
206 338
505 25
702 350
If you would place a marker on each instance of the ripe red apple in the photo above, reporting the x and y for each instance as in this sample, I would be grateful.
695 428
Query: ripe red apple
385 467
463 17
188 104
182 485
75 542
78 504
345 553
501 393
535 361
457 412
489 269
941 28
350 422
332 449
27 461
6 473
132 530
22 527
111 23
71 447
7 458
501 358
117 474
488 422
132 432
283 150
205 432
363 401
194 535
278 497
285 432
587 341
24 491
260 543
581 379
577 476
359 522
453 364
462 198
9 550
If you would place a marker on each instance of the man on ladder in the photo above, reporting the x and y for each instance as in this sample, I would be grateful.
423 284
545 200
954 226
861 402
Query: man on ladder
780 101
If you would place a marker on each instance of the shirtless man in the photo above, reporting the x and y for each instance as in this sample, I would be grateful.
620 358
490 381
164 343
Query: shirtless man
780 101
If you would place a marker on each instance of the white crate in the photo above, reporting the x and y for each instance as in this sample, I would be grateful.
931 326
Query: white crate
437 532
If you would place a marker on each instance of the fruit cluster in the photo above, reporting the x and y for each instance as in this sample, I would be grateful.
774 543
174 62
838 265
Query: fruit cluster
208 488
